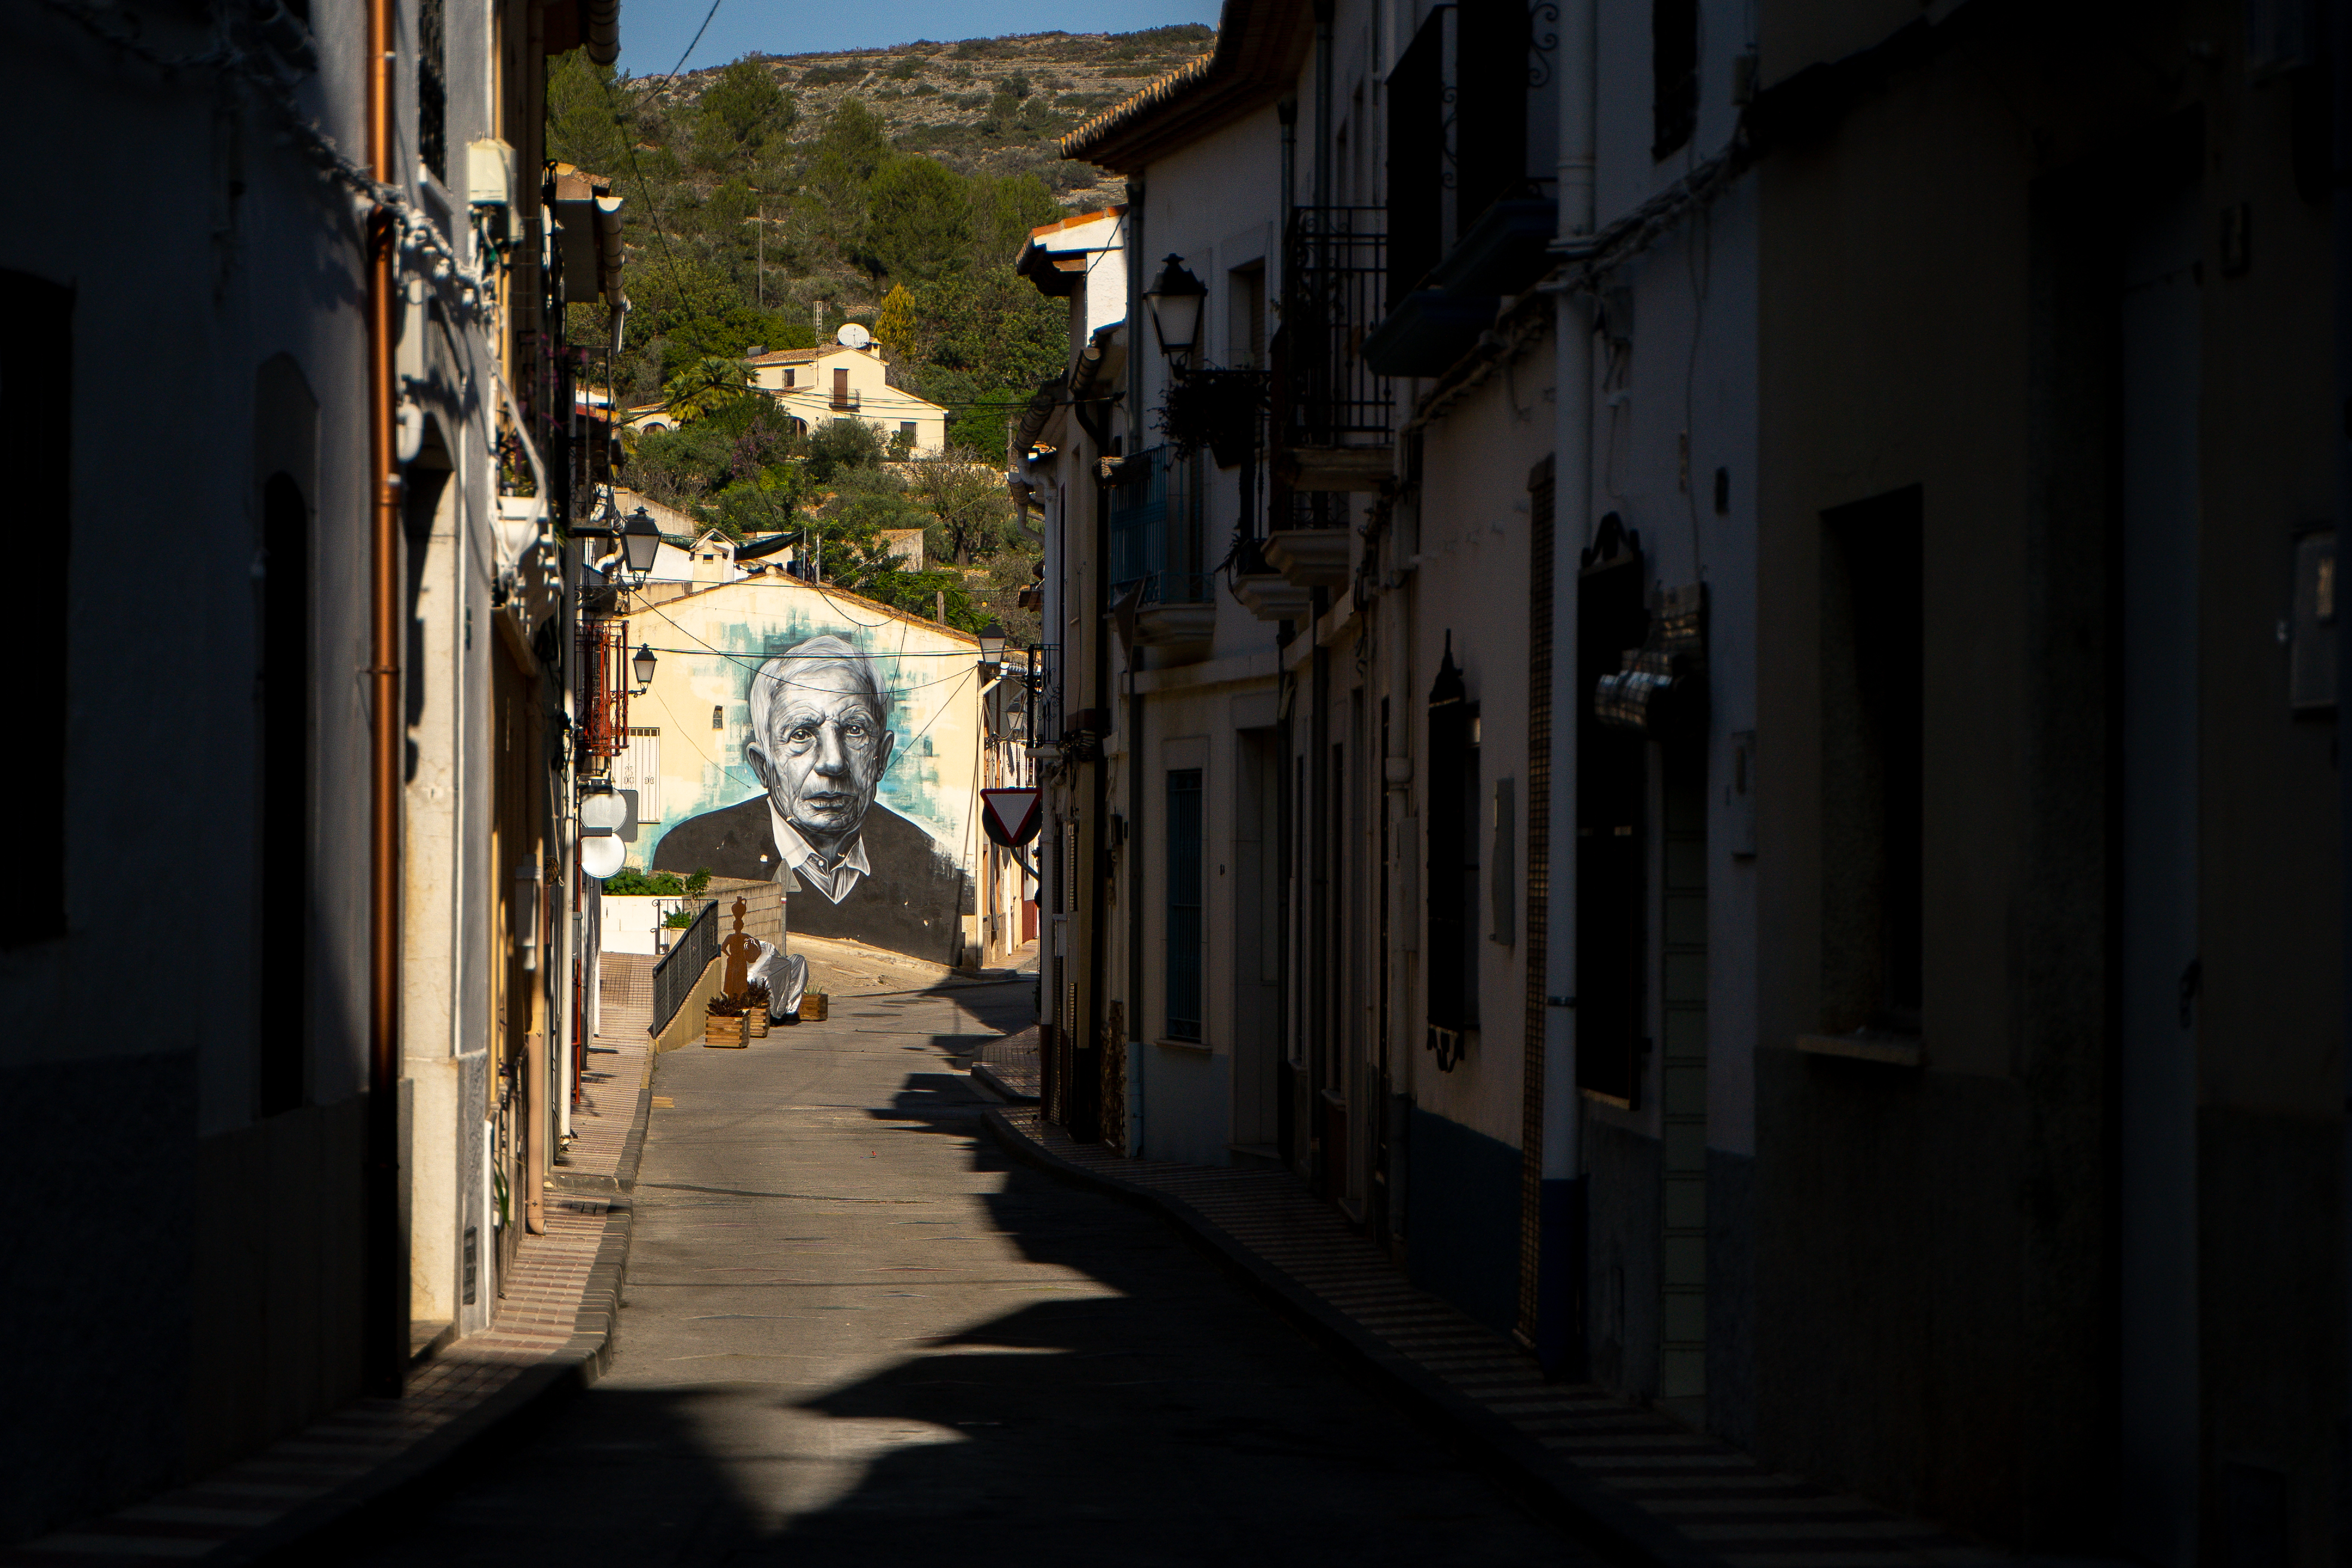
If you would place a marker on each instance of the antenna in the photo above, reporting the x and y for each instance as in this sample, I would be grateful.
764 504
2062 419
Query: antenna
852 335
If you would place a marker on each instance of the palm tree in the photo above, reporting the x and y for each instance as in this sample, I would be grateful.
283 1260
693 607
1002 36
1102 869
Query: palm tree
710 383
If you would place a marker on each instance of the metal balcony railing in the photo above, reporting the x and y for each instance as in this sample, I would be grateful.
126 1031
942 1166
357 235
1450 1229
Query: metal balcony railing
1155 530
845 400
1333 277
604 693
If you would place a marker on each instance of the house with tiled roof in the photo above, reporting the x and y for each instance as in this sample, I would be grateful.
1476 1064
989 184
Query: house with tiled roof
847 381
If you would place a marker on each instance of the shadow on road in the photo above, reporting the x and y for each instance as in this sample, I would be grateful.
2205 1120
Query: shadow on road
1126 1403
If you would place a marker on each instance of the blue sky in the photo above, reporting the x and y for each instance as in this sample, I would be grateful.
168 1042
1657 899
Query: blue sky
654 32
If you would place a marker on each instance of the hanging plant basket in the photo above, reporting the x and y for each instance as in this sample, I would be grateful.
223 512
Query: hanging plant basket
1214 411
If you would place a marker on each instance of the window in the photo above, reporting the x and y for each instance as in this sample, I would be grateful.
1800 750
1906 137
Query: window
1673 75
1872 675
906 429
1416 139
1245 316
638 768
1184 904
432 89
35 366
1611 824
789 377
718 716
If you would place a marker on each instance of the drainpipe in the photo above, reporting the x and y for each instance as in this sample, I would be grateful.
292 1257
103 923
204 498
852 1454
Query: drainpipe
1135 858
1559 1322
384 1317
1323 102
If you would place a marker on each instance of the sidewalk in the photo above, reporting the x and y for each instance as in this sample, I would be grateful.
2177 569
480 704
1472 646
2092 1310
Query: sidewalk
1635 1484
550 1335
1009 1067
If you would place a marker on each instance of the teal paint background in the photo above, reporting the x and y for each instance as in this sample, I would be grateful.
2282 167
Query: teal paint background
927 788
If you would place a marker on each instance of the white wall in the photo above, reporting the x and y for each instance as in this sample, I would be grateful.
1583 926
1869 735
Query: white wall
630 921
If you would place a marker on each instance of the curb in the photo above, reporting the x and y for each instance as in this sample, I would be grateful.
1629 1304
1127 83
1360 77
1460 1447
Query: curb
1598 1518
347 1517
996 1085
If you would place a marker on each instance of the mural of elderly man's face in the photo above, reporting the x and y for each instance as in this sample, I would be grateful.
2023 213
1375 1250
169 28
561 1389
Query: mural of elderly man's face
821 751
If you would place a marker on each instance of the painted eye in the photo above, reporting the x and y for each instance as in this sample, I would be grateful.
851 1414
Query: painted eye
801 734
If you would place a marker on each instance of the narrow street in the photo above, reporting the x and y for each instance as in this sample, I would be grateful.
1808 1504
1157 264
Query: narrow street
853 1331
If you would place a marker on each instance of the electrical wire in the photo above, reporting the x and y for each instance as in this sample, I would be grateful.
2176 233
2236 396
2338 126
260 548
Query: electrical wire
689 47
727 772
755 665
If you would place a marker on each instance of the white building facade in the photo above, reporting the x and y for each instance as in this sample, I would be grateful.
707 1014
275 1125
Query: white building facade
1328 860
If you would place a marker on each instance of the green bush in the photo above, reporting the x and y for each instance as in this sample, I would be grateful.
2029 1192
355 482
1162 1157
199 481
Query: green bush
631 882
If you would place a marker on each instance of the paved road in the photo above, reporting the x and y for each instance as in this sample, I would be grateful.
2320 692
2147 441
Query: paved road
855 1333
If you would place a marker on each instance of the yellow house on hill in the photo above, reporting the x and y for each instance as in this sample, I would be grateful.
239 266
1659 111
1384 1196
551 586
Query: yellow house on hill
843 381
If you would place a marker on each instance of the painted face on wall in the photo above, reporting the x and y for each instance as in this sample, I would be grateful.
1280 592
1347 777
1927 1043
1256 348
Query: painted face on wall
822 752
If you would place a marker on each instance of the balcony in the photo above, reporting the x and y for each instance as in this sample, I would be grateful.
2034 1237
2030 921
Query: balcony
1333 411
845 400
603 695
1432 327
1166 599
1264 591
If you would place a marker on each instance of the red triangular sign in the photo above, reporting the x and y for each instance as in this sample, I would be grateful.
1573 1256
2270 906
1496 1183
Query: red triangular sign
1009 815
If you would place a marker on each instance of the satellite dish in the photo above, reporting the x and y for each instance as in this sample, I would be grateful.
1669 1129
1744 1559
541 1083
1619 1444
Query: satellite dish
853 336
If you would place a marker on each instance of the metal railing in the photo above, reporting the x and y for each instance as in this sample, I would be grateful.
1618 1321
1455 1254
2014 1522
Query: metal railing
688 956
1332 282
1155 529
603 673
846 400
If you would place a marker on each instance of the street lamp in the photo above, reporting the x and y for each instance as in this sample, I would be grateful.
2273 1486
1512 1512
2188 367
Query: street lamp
641 542
1176 299
642 666
991 645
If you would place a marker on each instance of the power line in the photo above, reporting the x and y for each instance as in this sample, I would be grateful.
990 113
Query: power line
689 47
645 188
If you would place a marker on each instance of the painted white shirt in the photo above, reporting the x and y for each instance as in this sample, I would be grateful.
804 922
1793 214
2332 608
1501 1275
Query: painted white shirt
800 859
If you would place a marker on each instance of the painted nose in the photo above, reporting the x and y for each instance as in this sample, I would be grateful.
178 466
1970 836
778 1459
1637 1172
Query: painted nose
832 755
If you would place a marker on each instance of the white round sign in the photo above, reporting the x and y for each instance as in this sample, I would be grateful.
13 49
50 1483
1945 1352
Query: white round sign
600 857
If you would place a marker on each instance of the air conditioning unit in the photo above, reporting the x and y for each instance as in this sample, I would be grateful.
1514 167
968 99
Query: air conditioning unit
489 173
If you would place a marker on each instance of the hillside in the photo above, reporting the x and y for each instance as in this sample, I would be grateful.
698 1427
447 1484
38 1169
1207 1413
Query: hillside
806 188
936 98
770 201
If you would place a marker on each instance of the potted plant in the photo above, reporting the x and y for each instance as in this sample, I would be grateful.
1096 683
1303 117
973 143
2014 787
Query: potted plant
755 1008
726 1024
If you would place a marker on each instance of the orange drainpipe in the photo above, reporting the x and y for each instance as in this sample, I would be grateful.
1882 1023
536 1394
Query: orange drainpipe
385 1315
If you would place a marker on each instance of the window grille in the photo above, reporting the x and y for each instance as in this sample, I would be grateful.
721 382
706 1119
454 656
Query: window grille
433 89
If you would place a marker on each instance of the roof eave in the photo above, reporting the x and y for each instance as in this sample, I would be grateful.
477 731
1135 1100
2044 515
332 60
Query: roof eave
1260 46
